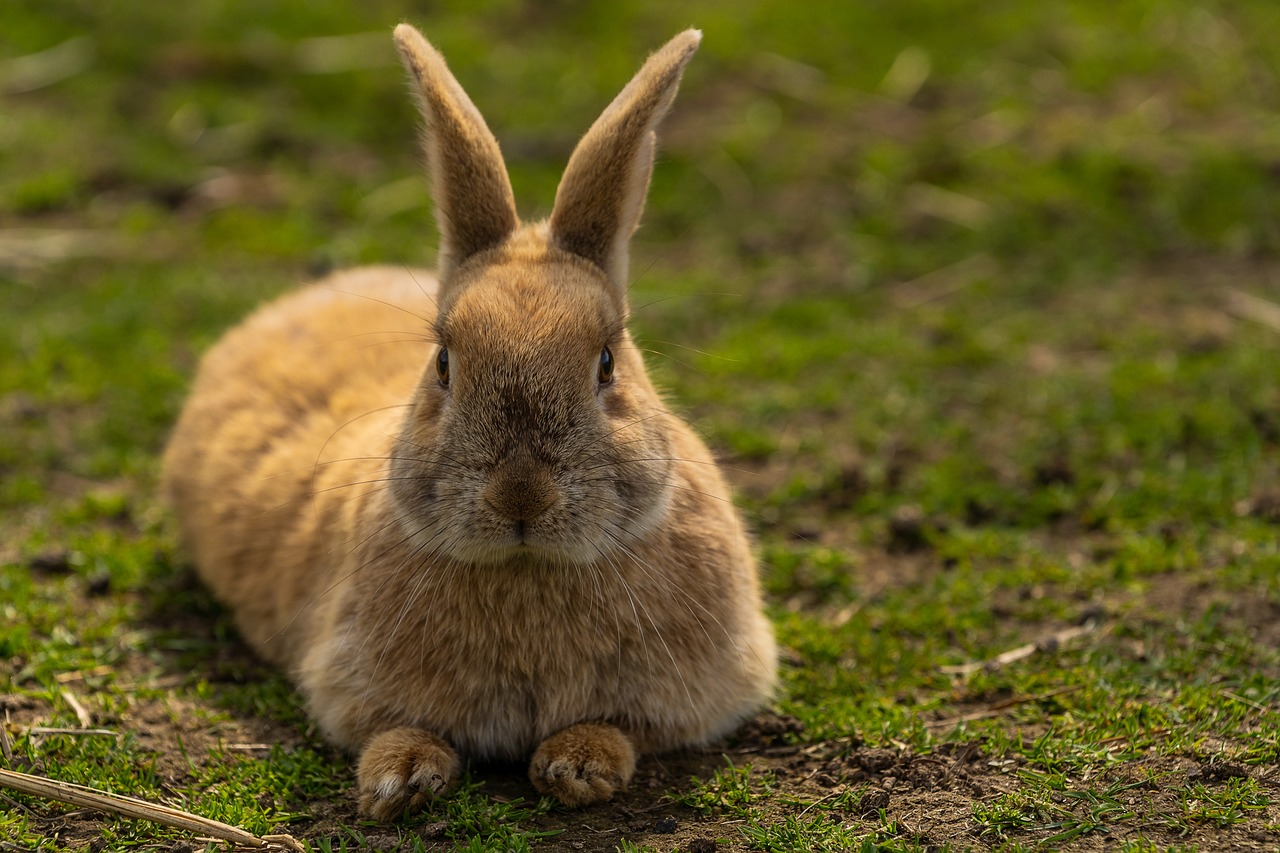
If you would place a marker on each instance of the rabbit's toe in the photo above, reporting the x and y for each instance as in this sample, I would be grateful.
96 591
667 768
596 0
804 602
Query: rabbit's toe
401 769
583 764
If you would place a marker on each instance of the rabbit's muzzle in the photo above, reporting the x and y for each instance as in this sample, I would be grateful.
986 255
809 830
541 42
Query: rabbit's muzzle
521 490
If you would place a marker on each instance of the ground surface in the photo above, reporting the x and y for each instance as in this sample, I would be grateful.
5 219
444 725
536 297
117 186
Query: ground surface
979 303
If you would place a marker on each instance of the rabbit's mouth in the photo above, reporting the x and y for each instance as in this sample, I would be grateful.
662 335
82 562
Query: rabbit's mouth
561 538
556 539
525 550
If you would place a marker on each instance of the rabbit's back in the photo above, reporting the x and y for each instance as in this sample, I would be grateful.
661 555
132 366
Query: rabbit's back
300 400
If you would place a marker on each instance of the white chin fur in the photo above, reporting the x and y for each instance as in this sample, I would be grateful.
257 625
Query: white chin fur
490 553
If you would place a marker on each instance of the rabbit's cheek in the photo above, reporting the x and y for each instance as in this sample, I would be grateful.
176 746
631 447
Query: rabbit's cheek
617 406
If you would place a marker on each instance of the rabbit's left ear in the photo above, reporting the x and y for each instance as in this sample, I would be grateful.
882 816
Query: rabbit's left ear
602 193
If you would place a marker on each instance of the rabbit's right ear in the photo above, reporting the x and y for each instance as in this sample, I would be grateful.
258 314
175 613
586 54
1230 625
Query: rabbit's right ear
475 207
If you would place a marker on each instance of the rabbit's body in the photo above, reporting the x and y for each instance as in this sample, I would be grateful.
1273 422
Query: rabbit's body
457 510
284 440
305 402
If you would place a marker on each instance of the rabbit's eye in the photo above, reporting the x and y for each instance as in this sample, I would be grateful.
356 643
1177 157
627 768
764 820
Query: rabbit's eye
442 366
606 366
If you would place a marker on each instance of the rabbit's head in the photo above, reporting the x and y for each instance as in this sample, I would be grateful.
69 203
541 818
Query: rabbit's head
535 434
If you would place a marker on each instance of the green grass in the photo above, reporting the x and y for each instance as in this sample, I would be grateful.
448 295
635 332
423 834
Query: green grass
948 285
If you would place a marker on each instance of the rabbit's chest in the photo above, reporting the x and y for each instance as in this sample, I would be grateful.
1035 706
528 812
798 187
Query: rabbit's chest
497 671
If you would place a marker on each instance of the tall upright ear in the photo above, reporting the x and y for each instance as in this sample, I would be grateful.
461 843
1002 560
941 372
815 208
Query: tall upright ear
475 208
602 193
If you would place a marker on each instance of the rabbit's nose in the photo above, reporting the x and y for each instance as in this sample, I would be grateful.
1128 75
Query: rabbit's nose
521 489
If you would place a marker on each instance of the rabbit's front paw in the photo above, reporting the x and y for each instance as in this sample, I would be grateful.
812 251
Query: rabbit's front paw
583 764
401 769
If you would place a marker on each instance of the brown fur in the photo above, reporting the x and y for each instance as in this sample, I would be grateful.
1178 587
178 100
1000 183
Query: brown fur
522 561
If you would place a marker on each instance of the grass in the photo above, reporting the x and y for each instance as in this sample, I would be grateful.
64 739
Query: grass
948 285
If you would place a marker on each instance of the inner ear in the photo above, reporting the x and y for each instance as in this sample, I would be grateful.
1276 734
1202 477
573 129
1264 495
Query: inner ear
602 193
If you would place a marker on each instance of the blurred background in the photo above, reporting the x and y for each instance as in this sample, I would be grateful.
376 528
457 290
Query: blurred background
855 201
978 301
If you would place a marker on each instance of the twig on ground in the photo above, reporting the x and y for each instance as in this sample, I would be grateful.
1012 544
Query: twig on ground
36 70
999 708
10 847
151 683
846 613
14 804
35 247
943 282
823 750
5 749
56 730
79 795
1250 307
80 675
959 759
1117 738
1051 643
82 713
589 828
820 801
1257 706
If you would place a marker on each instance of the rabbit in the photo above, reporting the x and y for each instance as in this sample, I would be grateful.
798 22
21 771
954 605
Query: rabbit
454 508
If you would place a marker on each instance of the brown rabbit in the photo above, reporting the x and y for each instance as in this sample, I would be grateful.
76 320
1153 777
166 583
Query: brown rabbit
456 509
